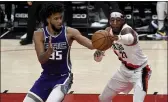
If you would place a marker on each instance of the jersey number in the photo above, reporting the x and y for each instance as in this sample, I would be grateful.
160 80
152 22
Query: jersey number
56 55
123 54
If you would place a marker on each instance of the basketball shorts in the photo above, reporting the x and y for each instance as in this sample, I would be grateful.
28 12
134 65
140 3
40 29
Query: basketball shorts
46 83
125 79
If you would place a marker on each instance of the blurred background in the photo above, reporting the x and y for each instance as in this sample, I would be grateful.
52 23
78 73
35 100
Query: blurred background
18 20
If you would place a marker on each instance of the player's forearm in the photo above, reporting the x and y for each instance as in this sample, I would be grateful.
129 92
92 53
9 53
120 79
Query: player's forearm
126 39
89 45
44 57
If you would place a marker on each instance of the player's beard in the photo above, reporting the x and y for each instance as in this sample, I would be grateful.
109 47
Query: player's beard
55 29
117 30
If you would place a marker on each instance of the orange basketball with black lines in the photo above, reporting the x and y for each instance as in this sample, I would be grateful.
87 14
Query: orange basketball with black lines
101 40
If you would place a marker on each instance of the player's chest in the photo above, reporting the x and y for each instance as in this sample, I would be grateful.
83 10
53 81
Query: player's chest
57 45
120 50
118 46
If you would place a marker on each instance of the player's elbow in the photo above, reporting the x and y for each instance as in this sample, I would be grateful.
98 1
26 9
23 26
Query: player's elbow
42 61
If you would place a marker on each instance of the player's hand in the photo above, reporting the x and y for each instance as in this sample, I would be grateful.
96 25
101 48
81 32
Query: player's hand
50 48
114 38
98 55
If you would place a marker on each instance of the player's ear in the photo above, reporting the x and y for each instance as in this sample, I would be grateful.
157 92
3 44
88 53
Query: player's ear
110 22
48 20
123 20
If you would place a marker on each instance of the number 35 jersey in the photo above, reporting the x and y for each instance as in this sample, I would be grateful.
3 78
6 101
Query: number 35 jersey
130 55
59 61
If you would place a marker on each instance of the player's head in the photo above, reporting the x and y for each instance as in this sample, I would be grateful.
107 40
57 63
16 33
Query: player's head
117 20
52 15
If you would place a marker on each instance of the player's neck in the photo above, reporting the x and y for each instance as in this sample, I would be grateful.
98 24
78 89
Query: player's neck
51 31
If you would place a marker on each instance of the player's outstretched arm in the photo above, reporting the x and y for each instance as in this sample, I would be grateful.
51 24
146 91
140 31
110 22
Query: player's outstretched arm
42 55
76 35
128 37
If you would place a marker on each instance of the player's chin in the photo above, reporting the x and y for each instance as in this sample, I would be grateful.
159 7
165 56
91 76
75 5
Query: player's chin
116 31
58 27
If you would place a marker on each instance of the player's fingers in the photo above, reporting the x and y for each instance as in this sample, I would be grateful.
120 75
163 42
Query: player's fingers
98 53
103 53
111 38
95 54
50 39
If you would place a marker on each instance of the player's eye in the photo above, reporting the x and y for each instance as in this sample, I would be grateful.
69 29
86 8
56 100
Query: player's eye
112 20
118 20
56 18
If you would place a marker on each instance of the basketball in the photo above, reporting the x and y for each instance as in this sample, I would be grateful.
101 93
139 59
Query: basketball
101 40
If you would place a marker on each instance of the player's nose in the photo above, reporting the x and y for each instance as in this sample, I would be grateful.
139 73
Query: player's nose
59 21
115 22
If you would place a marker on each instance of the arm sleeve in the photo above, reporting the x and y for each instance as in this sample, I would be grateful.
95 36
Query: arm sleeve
127 39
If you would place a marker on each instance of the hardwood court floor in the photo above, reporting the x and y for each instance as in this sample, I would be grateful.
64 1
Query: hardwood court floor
20 67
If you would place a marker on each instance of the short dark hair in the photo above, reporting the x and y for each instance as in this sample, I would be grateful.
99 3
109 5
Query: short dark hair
50 8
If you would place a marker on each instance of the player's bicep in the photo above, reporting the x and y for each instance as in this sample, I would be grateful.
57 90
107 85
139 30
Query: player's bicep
38 42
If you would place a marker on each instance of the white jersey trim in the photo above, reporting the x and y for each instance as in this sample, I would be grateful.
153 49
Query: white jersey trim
51 34
36 96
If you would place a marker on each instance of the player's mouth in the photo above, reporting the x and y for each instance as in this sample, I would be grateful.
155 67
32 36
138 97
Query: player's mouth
115 28
58 27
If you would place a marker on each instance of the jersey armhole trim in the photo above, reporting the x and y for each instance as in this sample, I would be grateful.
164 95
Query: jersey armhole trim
66 30
44 35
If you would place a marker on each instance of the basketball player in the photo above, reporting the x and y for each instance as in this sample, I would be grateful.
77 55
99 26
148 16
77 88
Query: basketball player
134 70
52 45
